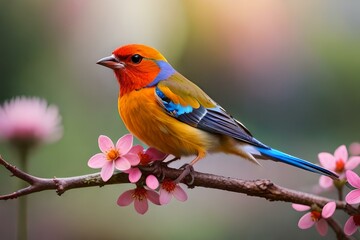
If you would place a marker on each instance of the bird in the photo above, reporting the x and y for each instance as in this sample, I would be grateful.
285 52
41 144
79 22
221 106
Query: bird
165 110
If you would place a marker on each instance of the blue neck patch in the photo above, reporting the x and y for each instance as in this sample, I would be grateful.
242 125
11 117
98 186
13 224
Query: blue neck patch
166 70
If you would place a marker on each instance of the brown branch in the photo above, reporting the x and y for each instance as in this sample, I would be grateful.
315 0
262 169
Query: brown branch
337 229
257 188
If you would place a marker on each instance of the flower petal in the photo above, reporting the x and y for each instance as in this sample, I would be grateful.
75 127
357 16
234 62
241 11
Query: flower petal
352 163
105 143
300 207
350 226
328 210
97 161
153 197
353 197
126 198
136 149
152 182
325 182
122 164
180 194
165 197
306 221
134 175
322 227
341 153
133 159
107 170
353 178
124 144
354 148
327 160
30 119
155 154
141 206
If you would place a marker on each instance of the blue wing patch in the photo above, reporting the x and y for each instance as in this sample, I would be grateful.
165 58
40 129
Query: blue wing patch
214 120
173 109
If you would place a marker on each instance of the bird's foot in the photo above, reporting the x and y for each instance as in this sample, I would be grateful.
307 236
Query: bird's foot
158 169
188 170
159 166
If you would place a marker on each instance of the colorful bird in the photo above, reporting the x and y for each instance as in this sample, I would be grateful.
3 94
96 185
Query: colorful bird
168 112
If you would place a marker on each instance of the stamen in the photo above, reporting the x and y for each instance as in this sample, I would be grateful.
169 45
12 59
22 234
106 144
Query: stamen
112 155
169 186
357 219
144 158
315 216
339 165
139 194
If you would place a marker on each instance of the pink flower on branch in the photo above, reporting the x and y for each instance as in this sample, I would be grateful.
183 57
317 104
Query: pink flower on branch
354 148
140 197
114 156
168 189
353 197
315 217
351 225
339 163
29 120
146 156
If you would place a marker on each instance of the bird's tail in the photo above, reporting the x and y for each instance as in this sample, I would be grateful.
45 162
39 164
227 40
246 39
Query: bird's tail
276 155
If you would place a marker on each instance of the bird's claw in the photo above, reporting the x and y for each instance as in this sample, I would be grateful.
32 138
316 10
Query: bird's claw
188 170
158 167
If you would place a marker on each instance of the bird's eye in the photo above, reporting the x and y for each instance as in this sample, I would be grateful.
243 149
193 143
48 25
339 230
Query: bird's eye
136 58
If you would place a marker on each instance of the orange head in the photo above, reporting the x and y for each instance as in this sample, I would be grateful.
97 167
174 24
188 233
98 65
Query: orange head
137 66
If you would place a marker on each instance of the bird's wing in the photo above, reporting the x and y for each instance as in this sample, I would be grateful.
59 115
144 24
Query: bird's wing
186 102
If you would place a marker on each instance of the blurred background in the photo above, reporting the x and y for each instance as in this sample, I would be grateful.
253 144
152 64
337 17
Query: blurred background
290 71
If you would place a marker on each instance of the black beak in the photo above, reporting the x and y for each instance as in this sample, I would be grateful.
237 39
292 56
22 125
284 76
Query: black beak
111 62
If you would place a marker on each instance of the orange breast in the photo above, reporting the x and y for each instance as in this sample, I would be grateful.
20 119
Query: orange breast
145 119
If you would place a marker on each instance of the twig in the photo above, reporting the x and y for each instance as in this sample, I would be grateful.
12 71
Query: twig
340 235
258 188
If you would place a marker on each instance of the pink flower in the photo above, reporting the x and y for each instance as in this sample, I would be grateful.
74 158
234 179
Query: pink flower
354 148
114 156
315 217
168 189
353 197
339 163
352 225
146 157
139 196
29 120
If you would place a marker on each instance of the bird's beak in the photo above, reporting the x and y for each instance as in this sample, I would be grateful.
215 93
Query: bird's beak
111 62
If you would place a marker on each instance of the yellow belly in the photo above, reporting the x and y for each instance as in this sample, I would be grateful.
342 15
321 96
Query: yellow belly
145 119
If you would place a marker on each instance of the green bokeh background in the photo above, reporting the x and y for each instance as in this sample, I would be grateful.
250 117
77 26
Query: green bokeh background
290 71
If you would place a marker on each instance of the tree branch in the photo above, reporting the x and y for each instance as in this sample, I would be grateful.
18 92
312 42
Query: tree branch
257 188
337 229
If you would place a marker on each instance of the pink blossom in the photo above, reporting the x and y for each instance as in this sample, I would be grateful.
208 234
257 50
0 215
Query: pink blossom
146 157
353 197
114 156
339 163
29 120
354 148
352 225
315 217
168 189
140 197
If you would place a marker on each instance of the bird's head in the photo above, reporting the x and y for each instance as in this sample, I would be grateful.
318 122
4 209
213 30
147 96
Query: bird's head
137 66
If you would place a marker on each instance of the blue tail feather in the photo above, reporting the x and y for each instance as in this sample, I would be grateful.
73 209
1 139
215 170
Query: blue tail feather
276 155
